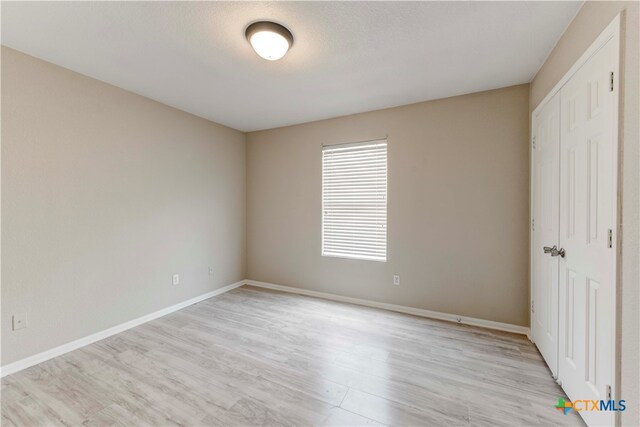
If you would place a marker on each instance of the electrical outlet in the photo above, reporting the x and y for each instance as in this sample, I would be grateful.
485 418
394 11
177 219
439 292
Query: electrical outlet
396 280
19 321
176 279
210 271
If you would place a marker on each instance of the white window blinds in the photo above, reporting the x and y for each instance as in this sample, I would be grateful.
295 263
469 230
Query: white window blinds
354 200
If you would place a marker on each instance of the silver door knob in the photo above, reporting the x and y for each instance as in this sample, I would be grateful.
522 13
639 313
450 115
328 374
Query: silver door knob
554 251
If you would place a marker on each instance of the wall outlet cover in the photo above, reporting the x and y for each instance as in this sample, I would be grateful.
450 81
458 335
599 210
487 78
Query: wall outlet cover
176 279
396 280
19 321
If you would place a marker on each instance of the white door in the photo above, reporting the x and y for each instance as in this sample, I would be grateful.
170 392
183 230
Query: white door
545 185
588 158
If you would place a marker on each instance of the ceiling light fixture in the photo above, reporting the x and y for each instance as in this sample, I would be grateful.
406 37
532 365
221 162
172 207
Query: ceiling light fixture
270 40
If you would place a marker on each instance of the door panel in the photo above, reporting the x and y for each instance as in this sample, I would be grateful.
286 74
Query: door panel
545 191
587 213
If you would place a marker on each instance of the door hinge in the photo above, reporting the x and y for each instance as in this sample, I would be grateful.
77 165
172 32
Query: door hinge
533 224
610 238
608 392
533 310
533 142
611 82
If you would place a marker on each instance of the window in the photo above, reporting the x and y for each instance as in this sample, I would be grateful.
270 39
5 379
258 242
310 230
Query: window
354 200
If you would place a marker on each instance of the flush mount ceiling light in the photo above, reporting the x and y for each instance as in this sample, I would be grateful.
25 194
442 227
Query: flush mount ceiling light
270 40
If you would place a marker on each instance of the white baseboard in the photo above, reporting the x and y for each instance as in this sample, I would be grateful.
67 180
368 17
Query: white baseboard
490 324
73 345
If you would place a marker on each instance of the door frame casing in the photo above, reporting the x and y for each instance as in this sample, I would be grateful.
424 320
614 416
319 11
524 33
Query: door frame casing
612 31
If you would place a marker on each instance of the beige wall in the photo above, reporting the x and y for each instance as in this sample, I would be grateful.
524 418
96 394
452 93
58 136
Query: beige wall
106 194
457 213
588 24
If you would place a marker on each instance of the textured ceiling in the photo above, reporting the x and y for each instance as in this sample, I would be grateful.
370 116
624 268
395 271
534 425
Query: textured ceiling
348 57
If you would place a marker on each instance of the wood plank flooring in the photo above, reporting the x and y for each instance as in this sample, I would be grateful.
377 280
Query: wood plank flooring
257 357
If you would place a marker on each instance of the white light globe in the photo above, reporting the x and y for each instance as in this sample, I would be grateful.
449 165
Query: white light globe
269 45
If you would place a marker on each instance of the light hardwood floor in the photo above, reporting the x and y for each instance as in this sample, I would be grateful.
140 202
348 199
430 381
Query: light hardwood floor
257 357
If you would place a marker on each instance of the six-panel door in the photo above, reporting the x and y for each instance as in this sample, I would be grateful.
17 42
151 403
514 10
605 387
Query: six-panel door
587 225
545 187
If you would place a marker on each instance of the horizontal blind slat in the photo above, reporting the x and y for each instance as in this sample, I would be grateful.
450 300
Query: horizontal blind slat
362 229
360 249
